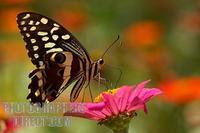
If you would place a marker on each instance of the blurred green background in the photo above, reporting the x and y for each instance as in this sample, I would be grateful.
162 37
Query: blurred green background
160 41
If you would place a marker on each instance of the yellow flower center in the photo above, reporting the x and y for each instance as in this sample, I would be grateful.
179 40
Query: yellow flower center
99 98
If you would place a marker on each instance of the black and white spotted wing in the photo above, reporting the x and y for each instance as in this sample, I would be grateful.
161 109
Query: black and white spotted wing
60 70
59 57
43 35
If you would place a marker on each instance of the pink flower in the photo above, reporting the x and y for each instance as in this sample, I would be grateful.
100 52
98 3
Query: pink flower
118 102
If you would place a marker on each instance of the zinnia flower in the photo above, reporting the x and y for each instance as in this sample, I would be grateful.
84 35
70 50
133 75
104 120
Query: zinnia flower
8 19
144 34
115 108
182 90
74 20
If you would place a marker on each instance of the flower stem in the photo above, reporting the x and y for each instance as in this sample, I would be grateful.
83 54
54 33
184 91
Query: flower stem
124 130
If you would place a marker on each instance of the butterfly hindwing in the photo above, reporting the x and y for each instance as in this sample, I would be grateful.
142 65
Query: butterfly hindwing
61 72
76 89
61 69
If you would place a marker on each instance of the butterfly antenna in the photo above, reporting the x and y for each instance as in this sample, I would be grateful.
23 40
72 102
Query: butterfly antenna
110 46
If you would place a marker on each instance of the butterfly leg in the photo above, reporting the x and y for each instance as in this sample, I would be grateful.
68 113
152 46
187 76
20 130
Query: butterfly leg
107 81
83 98
102 81
99 79
90 93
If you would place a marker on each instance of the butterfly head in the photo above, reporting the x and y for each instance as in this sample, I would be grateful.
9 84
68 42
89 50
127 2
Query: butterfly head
100 62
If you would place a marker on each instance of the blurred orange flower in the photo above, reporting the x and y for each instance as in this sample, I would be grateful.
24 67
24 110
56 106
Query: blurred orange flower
8 19
156 57
181 91
74 20
145 33
157 60
12 51
15 1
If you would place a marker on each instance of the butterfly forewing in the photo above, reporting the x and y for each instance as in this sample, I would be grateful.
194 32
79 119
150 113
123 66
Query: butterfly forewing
43 35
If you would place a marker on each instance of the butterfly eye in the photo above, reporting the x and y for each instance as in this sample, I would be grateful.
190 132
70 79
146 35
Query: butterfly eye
60 58
101 61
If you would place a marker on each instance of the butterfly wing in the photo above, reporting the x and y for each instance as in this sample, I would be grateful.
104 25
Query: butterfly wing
76 89
44 36
49 82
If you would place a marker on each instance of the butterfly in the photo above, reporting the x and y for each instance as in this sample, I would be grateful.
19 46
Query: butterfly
60 59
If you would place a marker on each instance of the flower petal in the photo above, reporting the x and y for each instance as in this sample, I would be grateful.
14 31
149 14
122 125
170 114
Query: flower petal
138 89
106 111
97 114
148 93
136 104
95 106
110 102
122 96
92 111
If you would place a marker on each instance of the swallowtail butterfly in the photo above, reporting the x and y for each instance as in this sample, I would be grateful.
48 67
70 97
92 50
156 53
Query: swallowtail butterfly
59 57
